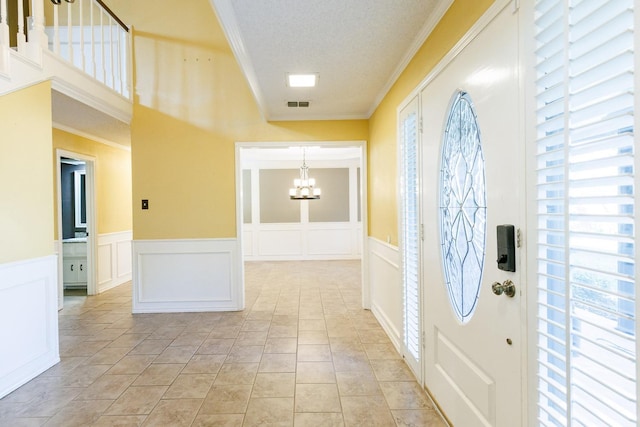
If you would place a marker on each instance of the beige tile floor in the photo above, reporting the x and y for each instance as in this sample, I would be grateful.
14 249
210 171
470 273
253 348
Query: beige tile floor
303 353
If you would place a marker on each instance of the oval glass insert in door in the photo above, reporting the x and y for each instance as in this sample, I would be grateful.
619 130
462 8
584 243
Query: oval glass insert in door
463 210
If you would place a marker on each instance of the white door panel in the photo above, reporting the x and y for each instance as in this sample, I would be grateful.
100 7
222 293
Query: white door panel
473 370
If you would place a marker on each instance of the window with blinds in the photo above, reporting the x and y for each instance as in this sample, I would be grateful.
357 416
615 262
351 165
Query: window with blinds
586 299
410 235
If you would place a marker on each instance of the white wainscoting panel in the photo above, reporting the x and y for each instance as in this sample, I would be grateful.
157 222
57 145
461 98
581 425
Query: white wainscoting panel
302 241
28 320
123 258
280 243
187 275
385 284
105 264
114 259
336 241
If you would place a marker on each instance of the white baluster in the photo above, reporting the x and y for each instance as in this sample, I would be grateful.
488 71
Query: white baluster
21 37
112 81
56 31
118 64
102 42
38 40
93 41
4 38
128 72
4 25
70 32
82 58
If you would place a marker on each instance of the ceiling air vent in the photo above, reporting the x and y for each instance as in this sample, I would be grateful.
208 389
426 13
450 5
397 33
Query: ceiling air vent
295 104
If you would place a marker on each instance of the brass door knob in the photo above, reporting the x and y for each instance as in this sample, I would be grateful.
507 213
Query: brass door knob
507 288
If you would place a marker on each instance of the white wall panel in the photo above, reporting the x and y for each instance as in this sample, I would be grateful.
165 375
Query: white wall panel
123 257
28 320
187 275
184 277
302 241
105 264
114 259
281 242
386 288
330 242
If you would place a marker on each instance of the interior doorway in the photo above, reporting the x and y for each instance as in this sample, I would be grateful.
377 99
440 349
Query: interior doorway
272 225
76 224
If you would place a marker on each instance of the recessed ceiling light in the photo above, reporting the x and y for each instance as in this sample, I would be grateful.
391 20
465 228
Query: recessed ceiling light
302 80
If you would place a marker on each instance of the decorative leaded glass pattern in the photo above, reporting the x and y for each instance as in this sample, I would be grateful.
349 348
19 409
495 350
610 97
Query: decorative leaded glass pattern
463 208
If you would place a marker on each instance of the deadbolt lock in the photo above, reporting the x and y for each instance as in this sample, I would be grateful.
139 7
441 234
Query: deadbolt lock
507 288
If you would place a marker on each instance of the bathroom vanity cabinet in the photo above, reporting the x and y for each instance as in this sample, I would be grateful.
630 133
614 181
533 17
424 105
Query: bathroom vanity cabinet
74 263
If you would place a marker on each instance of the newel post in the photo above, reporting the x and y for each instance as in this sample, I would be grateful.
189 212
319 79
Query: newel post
38 40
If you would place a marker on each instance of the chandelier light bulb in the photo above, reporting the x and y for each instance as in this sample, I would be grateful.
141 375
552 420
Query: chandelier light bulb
304 187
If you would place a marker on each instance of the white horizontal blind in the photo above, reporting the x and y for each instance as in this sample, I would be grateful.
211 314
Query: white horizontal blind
586 204
410 224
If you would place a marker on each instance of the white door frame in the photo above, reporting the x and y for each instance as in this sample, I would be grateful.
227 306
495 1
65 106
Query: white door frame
90 184
366 294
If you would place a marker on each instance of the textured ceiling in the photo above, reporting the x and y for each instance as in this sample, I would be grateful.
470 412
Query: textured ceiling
358 47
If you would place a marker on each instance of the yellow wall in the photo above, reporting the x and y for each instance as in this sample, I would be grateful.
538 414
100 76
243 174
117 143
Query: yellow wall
113 180
383 173
26 192
191 105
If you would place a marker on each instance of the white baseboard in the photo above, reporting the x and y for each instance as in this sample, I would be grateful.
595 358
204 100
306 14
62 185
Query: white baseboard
187 275
28 320
114 259
385 284
388 326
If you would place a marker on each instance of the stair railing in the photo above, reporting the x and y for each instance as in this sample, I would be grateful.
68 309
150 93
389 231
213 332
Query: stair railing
85 33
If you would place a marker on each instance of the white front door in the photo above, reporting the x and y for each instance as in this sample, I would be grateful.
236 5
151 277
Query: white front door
474 341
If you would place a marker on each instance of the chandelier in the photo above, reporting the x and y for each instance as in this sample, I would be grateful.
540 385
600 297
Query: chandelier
304 187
